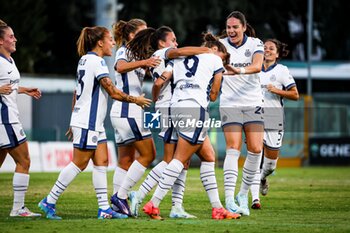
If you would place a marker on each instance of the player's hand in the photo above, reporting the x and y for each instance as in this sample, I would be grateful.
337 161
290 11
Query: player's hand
69 134
6 89
142 101
33 92
230 70
271 88
152 61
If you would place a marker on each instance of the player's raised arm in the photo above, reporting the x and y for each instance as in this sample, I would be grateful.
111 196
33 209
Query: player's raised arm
187 51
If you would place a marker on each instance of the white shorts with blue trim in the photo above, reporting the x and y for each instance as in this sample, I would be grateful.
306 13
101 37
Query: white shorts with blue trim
129 130
87 139
168 132
11 135
241 115
188 119
273 138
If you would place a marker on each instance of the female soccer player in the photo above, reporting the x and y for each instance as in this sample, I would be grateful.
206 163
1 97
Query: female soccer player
12 137
241 109
197 80
277 84
89 110
126 118
162 43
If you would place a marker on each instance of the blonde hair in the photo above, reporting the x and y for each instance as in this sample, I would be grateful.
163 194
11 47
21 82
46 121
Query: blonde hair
122 30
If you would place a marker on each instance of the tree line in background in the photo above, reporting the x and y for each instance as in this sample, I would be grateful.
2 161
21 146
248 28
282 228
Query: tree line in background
47 30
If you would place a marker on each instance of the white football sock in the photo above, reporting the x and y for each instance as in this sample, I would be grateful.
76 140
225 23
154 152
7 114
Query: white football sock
254 188
169 176
207 173
251 166
269 167
133 175
118 178
99 180
20 184
231 172
65 177
179 189
151 179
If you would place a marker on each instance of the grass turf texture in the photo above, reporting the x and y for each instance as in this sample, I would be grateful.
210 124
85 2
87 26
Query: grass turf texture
313 199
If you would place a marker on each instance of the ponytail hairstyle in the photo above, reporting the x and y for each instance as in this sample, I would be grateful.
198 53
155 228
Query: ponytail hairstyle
146 42
3 26
211 41
160 34
122 30
281 48
250 31
89 37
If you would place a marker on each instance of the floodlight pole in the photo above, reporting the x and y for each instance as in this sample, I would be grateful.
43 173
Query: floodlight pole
308 98
309 46
106 15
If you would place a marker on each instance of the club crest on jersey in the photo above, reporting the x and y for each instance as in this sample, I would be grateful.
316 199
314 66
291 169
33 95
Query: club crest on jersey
273 78
247 53
21 132
151 120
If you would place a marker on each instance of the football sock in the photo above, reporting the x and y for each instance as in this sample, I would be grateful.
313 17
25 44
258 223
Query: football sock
269 167
250 167
20 185
133 175
99 180
169 176
151 179
254 188
207 173
118 178
179 189
65 177
231 172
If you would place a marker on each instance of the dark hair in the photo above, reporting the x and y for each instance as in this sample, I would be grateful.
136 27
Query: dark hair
238 15
89 37
250 31
122 30
210 41
146 42
281 48
3 26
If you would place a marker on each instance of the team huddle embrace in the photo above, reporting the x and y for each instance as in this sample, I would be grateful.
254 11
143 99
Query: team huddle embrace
238 67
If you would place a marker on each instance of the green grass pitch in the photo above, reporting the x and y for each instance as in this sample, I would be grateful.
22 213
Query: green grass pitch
312 199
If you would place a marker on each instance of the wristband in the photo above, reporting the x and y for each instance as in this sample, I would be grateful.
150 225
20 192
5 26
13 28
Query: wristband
241 70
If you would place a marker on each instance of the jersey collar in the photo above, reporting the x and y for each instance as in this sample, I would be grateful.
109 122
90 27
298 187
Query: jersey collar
269 68
7 59
245 37
90 52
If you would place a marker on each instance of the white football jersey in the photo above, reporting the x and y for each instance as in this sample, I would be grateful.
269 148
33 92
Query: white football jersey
167 89
8 103
90 108
242 89
193 77
129 83
279 76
